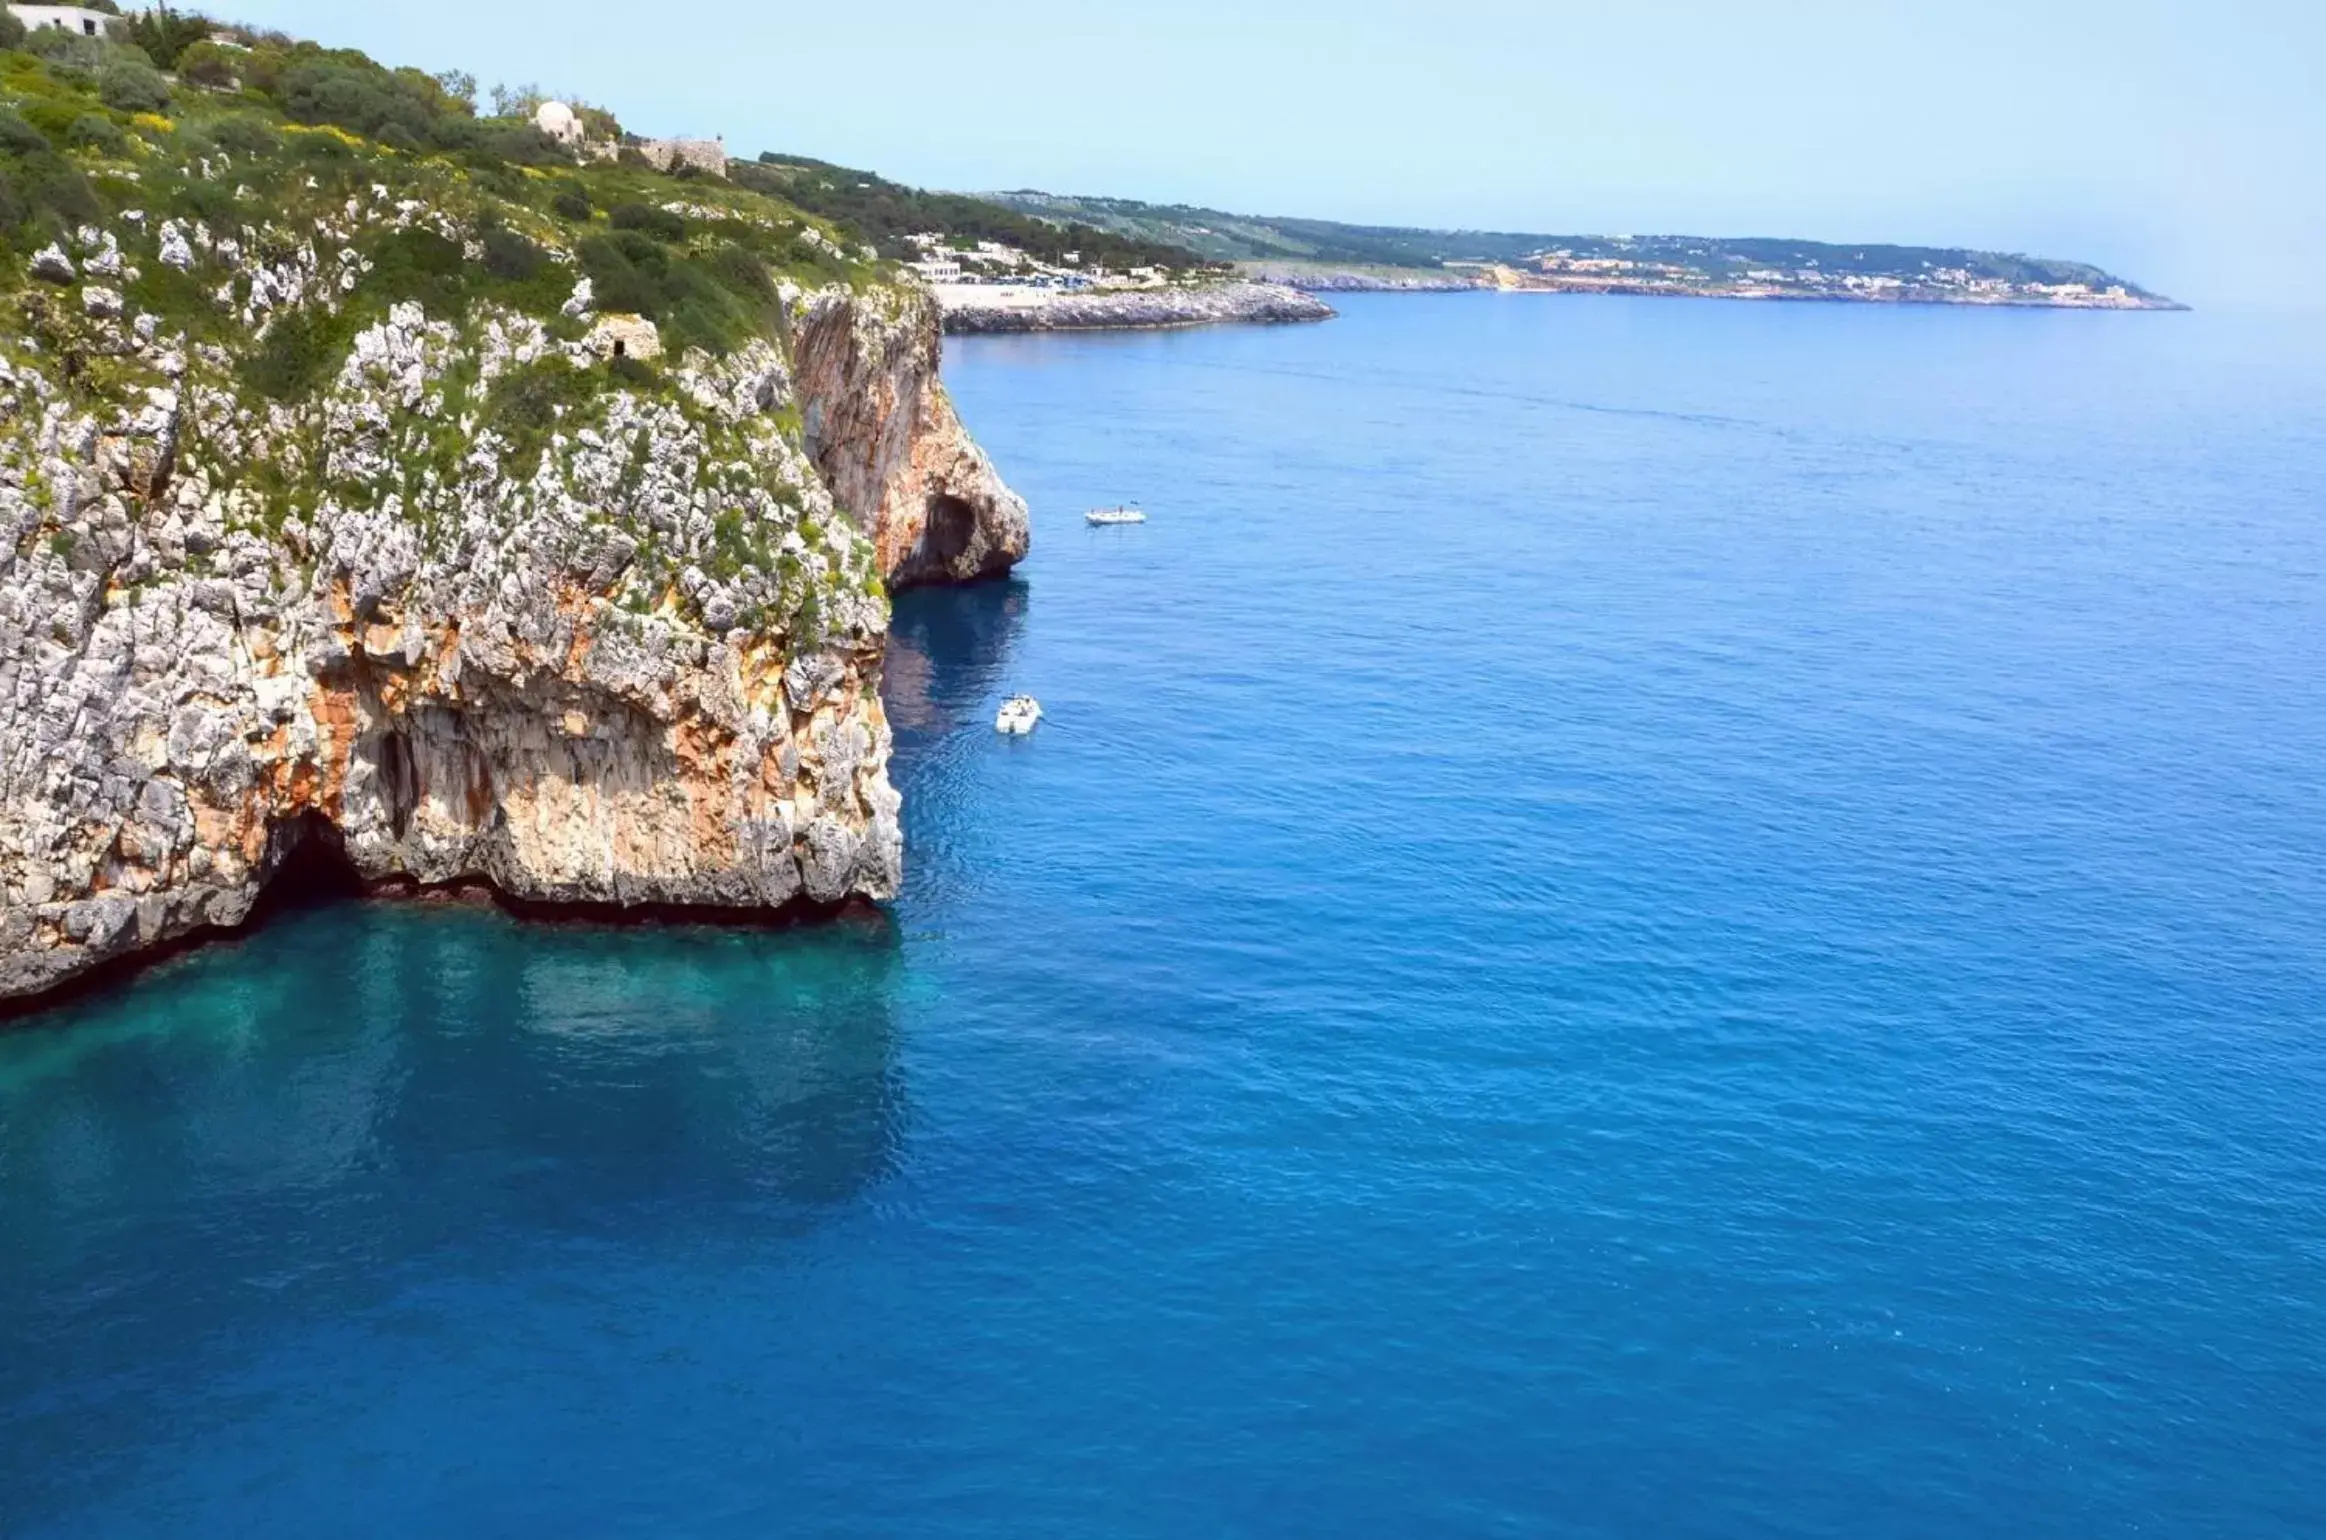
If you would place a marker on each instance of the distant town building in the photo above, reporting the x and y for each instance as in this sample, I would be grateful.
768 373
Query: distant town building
71 18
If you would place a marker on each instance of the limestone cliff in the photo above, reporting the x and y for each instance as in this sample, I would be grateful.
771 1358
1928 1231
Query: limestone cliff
326 515
885 437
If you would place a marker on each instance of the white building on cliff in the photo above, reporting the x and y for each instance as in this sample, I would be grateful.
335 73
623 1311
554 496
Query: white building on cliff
559 122
72 18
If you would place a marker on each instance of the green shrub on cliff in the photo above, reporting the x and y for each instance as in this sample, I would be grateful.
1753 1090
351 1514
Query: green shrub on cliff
660 223
93 131
18 137
301 351
51 192
744 270
368 100
419 264
626 271
709 302
69 55
131 85
207 64
511 256
243 133
529 403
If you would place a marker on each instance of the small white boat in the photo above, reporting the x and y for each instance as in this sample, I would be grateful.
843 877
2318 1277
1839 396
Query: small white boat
1018 715
1128 513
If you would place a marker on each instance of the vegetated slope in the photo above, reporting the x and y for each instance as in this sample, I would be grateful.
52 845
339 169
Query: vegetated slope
1228 237
300 128
1224 237
886 212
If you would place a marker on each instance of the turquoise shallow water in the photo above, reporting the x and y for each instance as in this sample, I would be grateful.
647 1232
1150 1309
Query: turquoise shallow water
1632 918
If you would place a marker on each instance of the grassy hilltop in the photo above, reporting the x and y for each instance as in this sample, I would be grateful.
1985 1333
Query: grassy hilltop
283 132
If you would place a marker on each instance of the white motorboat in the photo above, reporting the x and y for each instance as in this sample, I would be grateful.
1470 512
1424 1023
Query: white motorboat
1128 513
1018 715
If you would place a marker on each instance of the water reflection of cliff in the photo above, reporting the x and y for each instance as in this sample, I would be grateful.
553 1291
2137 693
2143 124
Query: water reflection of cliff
283 1125
948 650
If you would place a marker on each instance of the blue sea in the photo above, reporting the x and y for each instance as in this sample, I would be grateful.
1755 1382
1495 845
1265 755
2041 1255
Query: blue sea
1631 918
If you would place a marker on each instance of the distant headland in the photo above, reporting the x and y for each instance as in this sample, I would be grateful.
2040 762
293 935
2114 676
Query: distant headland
1037 261
1321 255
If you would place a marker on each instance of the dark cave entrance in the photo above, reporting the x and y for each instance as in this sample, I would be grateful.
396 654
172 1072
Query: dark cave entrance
309 866
951 525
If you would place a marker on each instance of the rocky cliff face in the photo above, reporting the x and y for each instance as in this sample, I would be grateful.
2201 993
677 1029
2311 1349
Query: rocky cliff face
480 606
883 434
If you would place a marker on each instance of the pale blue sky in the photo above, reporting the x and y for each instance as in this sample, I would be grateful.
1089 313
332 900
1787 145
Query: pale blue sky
2183 144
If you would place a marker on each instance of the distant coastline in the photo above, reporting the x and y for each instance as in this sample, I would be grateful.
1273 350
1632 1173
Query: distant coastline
1034 261
1552 277
1326 256
1275 294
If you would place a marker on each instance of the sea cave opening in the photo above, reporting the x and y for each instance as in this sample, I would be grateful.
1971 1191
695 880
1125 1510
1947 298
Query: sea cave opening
309 865
952 523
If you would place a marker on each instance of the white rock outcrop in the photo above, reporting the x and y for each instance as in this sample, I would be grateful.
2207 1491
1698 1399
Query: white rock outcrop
52 265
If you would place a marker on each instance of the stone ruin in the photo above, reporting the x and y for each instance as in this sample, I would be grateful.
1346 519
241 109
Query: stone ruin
669 154
563 124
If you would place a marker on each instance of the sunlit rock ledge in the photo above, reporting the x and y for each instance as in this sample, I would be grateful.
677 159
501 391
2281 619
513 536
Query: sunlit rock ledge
971 308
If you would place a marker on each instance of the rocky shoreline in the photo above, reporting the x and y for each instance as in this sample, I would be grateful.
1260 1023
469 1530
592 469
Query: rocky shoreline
468 608
967 311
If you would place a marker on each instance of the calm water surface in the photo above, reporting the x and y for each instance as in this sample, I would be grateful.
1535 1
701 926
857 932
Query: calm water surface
1632 918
